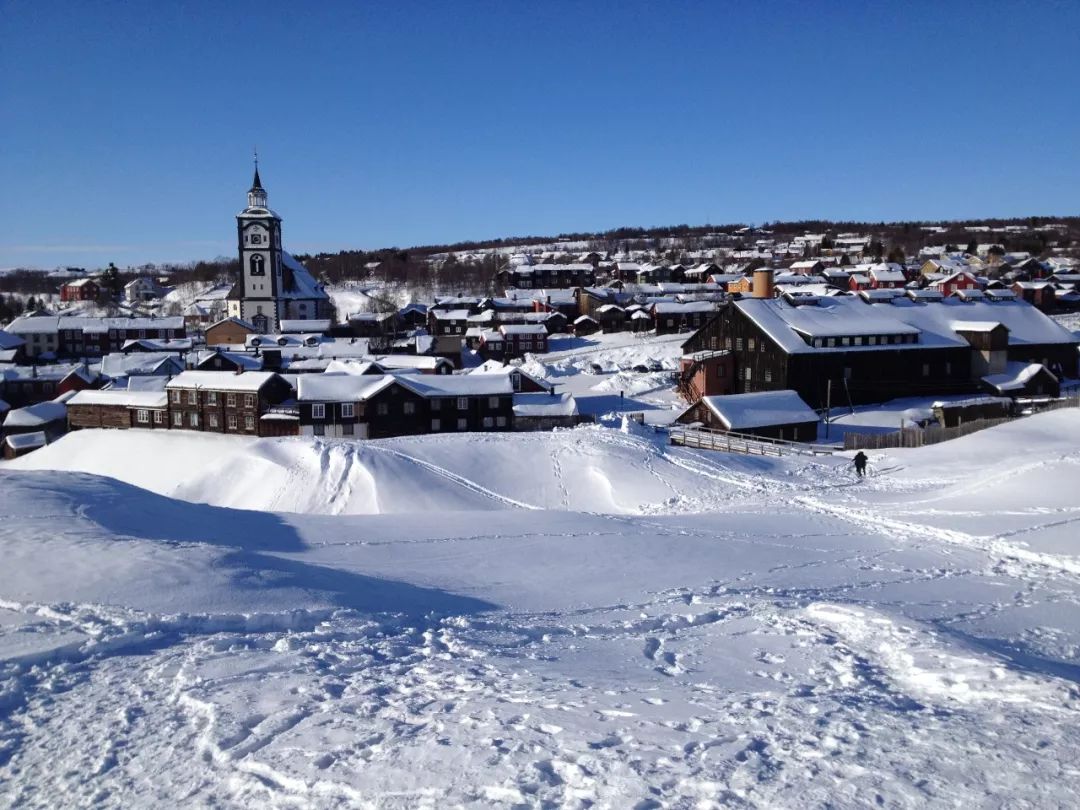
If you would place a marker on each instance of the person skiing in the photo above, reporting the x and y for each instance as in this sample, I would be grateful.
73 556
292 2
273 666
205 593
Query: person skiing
860 463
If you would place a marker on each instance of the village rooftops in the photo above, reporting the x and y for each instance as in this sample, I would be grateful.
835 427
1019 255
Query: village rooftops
121 397
247 381
675 308
761 409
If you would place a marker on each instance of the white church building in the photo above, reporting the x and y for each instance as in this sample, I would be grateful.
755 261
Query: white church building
273 286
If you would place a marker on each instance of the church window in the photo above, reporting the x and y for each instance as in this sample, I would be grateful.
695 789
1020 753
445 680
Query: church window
257 265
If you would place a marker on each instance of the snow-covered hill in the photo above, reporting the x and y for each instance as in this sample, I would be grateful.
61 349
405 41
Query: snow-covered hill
395 624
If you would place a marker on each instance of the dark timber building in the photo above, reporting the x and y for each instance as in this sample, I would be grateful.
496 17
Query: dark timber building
871 352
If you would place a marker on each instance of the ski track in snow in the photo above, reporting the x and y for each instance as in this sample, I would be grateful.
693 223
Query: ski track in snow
827 670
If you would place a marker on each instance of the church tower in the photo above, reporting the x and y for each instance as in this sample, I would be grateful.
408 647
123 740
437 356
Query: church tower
273 286
258 230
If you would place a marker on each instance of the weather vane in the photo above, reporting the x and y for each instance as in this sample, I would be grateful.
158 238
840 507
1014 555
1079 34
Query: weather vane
255 149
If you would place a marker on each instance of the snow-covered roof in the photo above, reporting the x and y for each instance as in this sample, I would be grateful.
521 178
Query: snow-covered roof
116 364
418 361
41 413
1015 376
761 409
675 308
850 316
121 397
248 381
450 314
544 404
340 387
522 329
10 341
297 325
159 344
26 441
304 284
248 362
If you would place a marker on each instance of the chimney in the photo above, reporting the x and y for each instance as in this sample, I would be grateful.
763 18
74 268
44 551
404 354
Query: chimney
763 283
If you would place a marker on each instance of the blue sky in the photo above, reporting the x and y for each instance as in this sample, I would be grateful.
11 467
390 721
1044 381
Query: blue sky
127 128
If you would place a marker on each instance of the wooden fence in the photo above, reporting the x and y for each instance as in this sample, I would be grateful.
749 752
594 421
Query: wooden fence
915 436
706 439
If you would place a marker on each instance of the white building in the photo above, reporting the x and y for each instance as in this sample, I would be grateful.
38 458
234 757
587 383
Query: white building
273 286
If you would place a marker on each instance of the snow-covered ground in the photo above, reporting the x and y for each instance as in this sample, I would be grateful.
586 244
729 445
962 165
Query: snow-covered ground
599 371
582 618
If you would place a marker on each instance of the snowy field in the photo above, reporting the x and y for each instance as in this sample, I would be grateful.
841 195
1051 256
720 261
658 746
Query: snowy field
586 618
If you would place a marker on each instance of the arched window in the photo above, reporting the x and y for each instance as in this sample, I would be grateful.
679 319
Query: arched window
257 265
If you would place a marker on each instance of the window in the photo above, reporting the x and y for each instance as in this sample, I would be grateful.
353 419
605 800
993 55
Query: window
768 375
319 429
193 397
436 425
159 417
193 419
211 420
211 397
858 341
872 340
462 424
257 265
845 341
347 429
382 409
230 400
231 421
178 419
142 416
436 404
408 408
515 380
493 402
817 343
462 403
748 373
500 421
489 422
318 411
751 344
831 342
948 369
926 370
348 410
738 344
249 423
249 400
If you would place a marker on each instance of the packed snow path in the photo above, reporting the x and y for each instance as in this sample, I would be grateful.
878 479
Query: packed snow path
705 631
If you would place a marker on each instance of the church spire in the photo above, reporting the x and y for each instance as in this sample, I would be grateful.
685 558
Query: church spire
256 194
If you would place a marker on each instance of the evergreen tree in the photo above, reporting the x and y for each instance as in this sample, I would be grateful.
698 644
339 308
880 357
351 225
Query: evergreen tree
111 281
